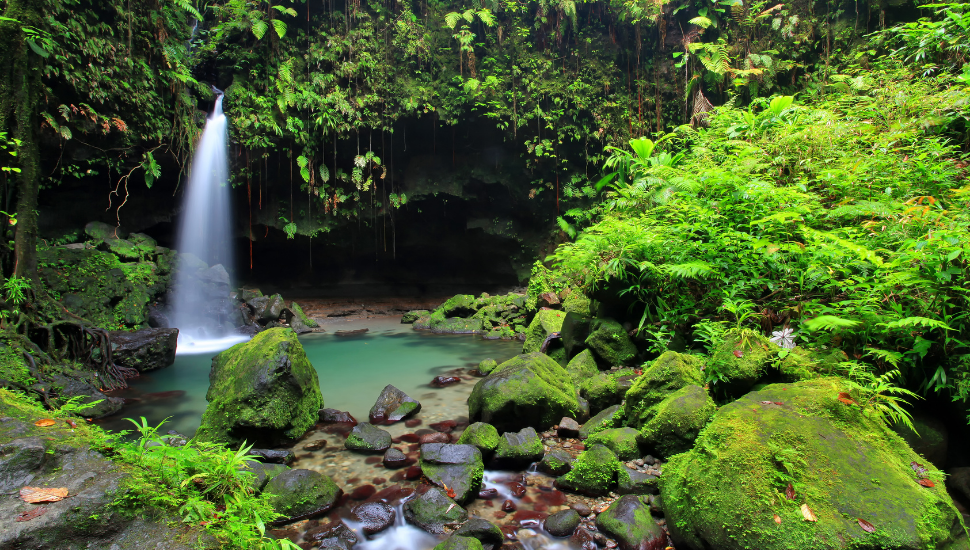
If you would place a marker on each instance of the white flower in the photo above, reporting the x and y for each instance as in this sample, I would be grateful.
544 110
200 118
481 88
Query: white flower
784 337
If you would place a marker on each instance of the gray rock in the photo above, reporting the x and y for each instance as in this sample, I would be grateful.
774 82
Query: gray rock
262 473
629 522
299 494
366 437
632 482
568 427
69 387
393 405
267 308
485 531
394 458
374 517
562 524
433 510
459 467
18 459
274 456
522 447
146 349
556 462
332 536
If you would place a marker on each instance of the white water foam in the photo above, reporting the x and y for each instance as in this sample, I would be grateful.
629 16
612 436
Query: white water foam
400 536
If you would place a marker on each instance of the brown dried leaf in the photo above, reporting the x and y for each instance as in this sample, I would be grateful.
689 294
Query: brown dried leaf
866 526
45 422
846 398
71 423
790 492
32 513
926 483
738 353
777 519
807 513
33 495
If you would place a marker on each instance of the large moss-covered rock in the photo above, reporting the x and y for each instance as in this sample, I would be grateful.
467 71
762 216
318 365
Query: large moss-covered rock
519 448
667 374
842 462
461 305
527 390
433 511
611 343
629 521
609 417
678 420
455 325
486 366
543 324
368 438
303 317
145 350
742 358
594 472
624 442
301 493
582 368
264 390
481 435
578 303
605 389
457 467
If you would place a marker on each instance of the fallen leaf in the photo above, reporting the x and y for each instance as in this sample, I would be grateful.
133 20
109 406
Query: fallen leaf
918 468
777 403
44 422
807 513
866 526
31 514
738 353
71 423
33 495
790 492
767 402
926 483
846 399
777 519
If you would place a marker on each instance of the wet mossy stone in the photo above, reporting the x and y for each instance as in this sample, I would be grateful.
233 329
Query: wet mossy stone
843 463
393 405
527 390
594 472
605 419
741 359
422 323
624 442
247 294
546 322
486 366
582 368
485 531
146 349
262 473
303 317
575 331
413 315
457 467
632 482
433 511
629 522
578 303
298 494
368 438
145 244
268 308
562 523
556 462
667 374
124 249
457 542
455 325
678 420
519 448
100 231
481 435
611 343
460 305
605 389
264 391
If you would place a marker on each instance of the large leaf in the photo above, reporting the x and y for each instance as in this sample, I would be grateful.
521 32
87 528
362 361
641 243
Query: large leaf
829 322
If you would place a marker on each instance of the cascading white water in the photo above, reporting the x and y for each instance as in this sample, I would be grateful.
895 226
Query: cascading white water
200 299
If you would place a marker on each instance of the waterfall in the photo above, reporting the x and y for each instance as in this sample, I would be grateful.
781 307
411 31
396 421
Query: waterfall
200 302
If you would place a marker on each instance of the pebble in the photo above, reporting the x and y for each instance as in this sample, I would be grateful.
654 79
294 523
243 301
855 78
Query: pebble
582 509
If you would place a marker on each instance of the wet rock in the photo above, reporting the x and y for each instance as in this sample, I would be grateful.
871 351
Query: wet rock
583 539
656 505
333 416
157 318
562 524
485 531
436 437
582 509
264 391
445 426
374 516
332 536
594 472
146 350
393 405
299 494
444 381
413 315
519 448
368 438
355 332
508 506
610 343
527 390
262 473
302 317
69 387
488 493
274 456
482 435
548 299
487 366
456 542
632 482
605 419
267 308
629 522
545 324
315 445
568 427
457 467
556 462
678 420
433 511
624 442
394 458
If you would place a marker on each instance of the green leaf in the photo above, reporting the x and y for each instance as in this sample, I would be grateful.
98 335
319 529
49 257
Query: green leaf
917 321
37 49
829 322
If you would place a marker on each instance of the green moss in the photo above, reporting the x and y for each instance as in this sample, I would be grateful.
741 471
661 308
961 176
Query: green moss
594 472
842 463
298 311
603 389
13 366
543 324
611 343
667 374
610 417
737 374
677 421
461 305
481 435
523 446
459 543
582 367
624 442
578 303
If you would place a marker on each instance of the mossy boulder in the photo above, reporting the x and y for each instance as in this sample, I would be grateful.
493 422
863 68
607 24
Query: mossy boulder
605 389
301 493
629 522
413 315
678 420
101 231
546 322
594 472
527 390
556 462
485 531
582 368
519 448
611 343
578 303
575 331
433 511
368 438
632 482
303 317
667 374
264 390
741 359
458 542
122 248
609 417
455 325
461 305
624 442
145 244
843 463
457 467
481 435
486 366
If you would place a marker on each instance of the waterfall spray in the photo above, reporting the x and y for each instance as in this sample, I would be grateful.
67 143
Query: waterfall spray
200 303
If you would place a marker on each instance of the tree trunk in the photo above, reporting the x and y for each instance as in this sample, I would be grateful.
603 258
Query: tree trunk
20 92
